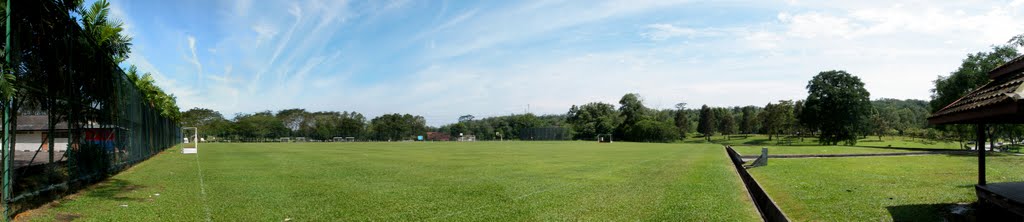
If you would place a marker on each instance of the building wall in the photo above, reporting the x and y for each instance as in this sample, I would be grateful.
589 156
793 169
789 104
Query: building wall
30 141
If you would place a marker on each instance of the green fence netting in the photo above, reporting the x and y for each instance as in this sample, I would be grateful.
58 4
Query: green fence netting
74 117
545 133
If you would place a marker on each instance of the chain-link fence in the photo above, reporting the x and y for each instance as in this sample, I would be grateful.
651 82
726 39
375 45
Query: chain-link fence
74 116
545 133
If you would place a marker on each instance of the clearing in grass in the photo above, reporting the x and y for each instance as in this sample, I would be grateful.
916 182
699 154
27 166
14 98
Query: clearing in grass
489 181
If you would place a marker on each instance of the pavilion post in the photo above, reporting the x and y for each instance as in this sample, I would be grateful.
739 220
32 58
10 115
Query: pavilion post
980 130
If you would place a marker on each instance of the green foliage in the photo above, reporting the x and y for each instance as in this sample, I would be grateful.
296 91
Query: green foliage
778 119
748 119
837 105
706 124
508 127
901 115
971 74
261 125
106 32
632 109
393 127
726 125
592 119
682 121
650 131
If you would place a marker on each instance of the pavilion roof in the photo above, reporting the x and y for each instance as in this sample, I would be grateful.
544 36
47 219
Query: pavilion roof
999 101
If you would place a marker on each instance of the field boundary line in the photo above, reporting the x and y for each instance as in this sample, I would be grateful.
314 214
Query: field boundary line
202 188
953 152
768 209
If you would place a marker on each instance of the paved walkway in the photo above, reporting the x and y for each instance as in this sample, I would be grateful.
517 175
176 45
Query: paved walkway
954 152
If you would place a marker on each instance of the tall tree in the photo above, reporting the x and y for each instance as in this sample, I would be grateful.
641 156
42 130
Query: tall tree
706 124
778 118
632 110
838 105
879 123
682 120
592 119
726 124
748 119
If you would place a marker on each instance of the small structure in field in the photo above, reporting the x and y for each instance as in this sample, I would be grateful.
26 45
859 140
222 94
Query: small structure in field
1001 101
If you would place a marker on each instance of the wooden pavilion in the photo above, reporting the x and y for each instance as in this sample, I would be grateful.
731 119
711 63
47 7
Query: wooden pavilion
1001 101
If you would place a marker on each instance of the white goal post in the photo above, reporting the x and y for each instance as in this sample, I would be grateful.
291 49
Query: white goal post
604 138
190 141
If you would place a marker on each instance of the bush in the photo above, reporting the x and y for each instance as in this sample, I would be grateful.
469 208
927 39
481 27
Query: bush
651 131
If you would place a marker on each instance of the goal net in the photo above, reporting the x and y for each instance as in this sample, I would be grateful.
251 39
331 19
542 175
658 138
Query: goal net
190 140
604 138
343 139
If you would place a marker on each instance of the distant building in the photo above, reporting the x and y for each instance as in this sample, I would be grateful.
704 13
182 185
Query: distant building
32 132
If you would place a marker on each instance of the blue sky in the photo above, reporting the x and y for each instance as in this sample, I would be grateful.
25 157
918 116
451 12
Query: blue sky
443 59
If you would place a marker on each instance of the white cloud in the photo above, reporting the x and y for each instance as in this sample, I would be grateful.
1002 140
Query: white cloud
195 59
660 32
264 32
813 25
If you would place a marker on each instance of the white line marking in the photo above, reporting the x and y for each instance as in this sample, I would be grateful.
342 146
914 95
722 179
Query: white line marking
202 188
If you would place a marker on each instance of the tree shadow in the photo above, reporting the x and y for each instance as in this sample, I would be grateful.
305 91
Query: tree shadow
115 189
933 212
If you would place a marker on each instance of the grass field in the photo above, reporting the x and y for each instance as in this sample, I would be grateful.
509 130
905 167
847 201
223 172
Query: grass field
482 181
900 188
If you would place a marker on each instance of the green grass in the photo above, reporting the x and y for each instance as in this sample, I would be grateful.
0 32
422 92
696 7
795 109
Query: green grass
482 181
901 188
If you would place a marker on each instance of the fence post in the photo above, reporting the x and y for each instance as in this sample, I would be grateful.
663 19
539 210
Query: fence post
6 146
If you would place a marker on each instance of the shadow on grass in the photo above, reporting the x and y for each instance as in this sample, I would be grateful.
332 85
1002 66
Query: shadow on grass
932 212
115 189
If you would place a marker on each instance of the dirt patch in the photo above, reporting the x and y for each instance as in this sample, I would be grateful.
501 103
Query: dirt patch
64 217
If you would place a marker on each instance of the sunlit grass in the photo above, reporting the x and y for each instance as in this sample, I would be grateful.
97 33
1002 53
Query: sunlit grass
482 181
901 188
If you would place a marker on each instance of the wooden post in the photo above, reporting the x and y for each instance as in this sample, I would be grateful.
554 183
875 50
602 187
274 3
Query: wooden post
981 152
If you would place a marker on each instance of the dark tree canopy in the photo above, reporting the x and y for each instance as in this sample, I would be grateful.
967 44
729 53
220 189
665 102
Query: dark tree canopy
726 123
631 108
837 105
706 124
682 120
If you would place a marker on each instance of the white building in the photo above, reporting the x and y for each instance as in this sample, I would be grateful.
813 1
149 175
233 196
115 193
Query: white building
32 133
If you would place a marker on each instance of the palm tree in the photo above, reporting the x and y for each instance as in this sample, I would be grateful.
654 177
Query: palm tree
106 32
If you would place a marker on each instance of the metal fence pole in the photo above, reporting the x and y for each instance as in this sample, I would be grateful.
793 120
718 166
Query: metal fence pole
6 148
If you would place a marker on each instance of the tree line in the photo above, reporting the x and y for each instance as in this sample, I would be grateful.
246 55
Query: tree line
837 110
